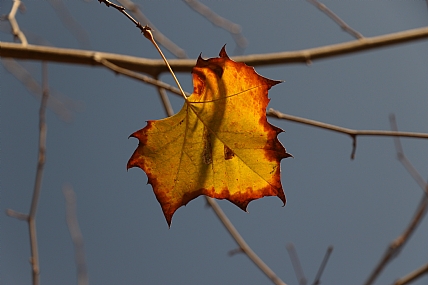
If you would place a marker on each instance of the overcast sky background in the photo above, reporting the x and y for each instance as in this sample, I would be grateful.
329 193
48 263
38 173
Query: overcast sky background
357 206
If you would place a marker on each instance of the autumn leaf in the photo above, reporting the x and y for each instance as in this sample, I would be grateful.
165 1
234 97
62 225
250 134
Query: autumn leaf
220 144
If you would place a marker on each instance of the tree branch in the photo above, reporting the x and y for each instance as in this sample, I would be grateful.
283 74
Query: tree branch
76 235
17 33
351 132
155 67
242 244
215 19
412 276
295 261
317 280
160 37
396 246
336 19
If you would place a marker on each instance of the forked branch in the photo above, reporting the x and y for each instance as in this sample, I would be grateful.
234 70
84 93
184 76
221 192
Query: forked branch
351 132
396 246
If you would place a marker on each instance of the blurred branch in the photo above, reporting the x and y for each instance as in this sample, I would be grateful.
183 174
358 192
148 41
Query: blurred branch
336 18
17 33
215 19
165 100
241 242
61 108
317 280
395 247
70 23
403 159
155 67
31 217
412 276
295 261
17 215
351 132
39 175
161 38
76 235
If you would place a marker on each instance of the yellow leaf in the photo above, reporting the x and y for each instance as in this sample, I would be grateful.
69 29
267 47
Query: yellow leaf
220 143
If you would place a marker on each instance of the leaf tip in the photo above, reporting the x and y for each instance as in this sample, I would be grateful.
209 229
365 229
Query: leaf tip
223 53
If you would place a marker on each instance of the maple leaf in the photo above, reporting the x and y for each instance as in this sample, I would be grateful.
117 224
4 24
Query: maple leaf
220 144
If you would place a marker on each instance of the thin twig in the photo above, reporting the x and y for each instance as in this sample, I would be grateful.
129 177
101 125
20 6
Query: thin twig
138 76
317 280
34 260
160 38
148 34
351 132
336 18
122 10
156 67
17 215
76 235
16 31
403 159
396 246
234 29
242 244
412 276
295 261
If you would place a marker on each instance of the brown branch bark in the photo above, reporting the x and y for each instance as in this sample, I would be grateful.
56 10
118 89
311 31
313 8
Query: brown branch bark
16 31
155 67
242 244
351 132
412 276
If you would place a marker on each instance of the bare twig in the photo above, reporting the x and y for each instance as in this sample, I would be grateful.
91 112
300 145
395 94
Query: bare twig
412 276
138 76
232 28
148 34
122 10
17 33
17 215
352 133
295 261
403 159
241 242
161 38
34 260
142 28
155 67
395 247
336 18
76 235
232 252
317 280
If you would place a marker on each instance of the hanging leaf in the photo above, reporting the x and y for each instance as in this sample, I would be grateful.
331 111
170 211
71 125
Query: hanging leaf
220 144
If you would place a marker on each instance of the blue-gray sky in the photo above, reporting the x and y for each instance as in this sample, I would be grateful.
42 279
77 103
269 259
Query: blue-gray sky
357 206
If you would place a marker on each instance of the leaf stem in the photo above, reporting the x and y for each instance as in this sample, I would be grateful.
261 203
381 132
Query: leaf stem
148 34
